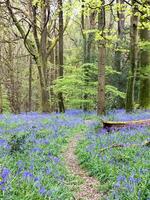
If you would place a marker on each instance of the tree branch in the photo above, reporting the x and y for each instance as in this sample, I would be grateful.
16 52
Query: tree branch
35 28
145 143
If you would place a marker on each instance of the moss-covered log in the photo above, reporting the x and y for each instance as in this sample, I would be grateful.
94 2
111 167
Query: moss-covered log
116 125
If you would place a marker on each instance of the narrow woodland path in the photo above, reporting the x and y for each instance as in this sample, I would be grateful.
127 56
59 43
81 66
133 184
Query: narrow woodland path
88 189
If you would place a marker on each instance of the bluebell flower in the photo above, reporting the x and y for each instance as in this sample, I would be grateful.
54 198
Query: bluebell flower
36 149
2 182
56 159
121 178
5 173
42 190
129 187
48 170
27 174
2 142
117 185
36 179
3 188
4 178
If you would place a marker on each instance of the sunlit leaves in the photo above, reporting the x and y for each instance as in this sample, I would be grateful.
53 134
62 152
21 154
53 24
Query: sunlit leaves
113 91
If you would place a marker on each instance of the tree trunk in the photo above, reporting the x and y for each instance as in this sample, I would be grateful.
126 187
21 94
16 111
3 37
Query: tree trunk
1 99
13 83
85 57
45 107
118 54
145 65
30 85
1 93
61 55
88 49
42 62
133 59
91 40
145 72
102 61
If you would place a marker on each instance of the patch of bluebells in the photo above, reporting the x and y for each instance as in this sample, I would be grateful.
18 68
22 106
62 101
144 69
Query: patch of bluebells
125 186
130 187
37 165
124 170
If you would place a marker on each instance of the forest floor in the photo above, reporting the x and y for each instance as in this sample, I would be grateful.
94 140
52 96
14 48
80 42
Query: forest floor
70 156
88 189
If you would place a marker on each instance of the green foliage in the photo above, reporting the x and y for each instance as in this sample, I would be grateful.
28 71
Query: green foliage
144 45
76 83
110 71
80 81
113 95
145 71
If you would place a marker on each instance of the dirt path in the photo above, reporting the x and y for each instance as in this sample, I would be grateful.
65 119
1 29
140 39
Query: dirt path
88 189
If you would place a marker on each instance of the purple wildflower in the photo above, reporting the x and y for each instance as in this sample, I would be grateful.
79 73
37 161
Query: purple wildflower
5 173
27 174
42 190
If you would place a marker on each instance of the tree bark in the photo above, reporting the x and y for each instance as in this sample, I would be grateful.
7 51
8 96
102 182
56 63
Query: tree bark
145 67
1 93
30 85
13 83
133 58
118 57
85 57
88 49
1 99
61 54
102 61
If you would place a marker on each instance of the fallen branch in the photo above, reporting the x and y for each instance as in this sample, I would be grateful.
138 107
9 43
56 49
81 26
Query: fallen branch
145 143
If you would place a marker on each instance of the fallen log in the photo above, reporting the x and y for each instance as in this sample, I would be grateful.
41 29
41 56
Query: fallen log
109 125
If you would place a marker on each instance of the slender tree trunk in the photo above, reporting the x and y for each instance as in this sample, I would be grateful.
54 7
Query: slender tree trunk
56 72
1 93
90 40
118 54
133 59
88 50
145 71
1 99
61 55
53 100
30 85
13 82
102 61
85 57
